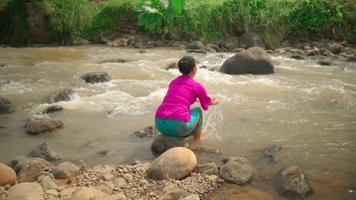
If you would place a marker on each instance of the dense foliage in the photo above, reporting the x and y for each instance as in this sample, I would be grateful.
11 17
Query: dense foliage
209 20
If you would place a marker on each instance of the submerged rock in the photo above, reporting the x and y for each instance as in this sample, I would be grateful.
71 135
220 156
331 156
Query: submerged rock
7 175
237 170
6 106
118 60
63 95
292 181
175 163
149 131
251 39
26 191
162 143
52 109
44 151
96 77
207 168
66 170
36 125
254 60
273 151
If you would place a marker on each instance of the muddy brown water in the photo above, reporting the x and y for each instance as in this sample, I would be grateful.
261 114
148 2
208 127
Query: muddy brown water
308 109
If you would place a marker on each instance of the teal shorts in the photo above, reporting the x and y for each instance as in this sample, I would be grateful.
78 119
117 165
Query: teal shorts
178 128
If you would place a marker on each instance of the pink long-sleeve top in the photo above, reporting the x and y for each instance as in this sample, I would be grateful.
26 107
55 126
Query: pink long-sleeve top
182 92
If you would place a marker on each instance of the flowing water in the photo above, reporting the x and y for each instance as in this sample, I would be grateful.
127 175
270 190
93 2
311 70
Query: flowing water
308 109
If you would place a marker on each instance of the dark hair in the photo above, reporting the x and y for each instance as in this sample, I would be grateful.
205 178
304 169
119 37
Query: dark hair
186 64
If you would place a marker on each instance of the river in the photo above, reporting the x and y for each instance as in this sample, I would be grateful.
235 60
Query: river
307 108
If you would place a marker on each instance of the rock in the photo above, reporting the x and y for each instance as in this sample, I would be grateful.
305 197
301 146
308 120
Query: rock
86 193
149 131
250 39
119 182
63 95
273 151
237 50
213 46
292 181
254 60
32 170
162 143
107 187
52 109
312 52
352 58
119 42
26 191
237 170
108 177
231 45
66 170
297 57
325 52
39 125
54 193
80 163
18 163
191 197
96 77
172 194
80 42
68 192
118 60
44 151
325 61
207 168
6 106
197 51
196 45
119 196
175 163
336 48
47 183
7 175
172 66
295 51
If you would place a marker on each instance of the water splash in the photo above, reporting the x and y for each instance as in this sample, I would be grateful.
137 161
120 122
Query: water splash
214 118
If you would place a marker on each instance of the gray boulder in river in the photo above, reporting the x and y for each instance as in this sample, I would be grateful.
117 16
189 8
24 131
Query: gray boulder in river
254 60
44 151
63 95
162 143
6 106
36 126
96 77
237 170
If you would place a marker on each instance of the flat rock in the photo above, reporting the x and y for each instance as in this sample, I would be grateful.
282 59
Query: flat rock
39 125
26 191
162 143
6 106
207 168
44 151
237 170
7 175
96 77
175 163
63 95
292 181
66 170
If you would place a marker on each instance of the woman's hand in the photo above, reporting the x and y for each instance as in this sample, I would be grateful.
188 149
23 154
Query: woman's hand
214 101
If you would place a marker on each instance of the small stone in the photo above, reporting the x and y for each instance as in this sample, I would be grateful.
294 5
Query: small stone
128 177
6 106
63 95
44 151
108 177
96 77
326 61
66 170
47 183
119 182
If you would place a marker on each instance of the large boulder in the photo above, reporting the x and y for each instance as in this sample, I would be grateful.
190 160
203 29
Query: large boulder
39 125
175 163
44 151
66 170
96 77
237 170
32 170
196 47
292 181
7 175
251 39
63 95
6 106
162 143
26 191
254 60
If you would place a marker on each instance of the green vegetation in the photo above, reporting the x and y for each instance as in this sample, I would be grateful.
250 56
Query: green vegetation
208 20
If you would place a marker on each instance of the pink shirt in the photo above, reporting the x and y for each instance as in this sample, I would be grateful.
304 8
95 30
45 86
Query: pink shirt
182 92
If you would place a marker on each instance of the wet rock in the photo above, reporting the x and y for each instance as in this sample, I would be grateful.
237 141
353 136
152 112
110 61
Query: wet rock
52 109
191 197
251 61
175 163
336 48
292 181
273 151
325 61
172 66
231 45
86 193
63 95
196 45
162 143
207 168
312 52
119 42
65 170
325 52
149 131
26 191
213 46
297 57
18 163
250 39
7 175
210 50
118 60
237 170
295 51
47 182
6 106
96 77
39 125
197 51
32 170
44 151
